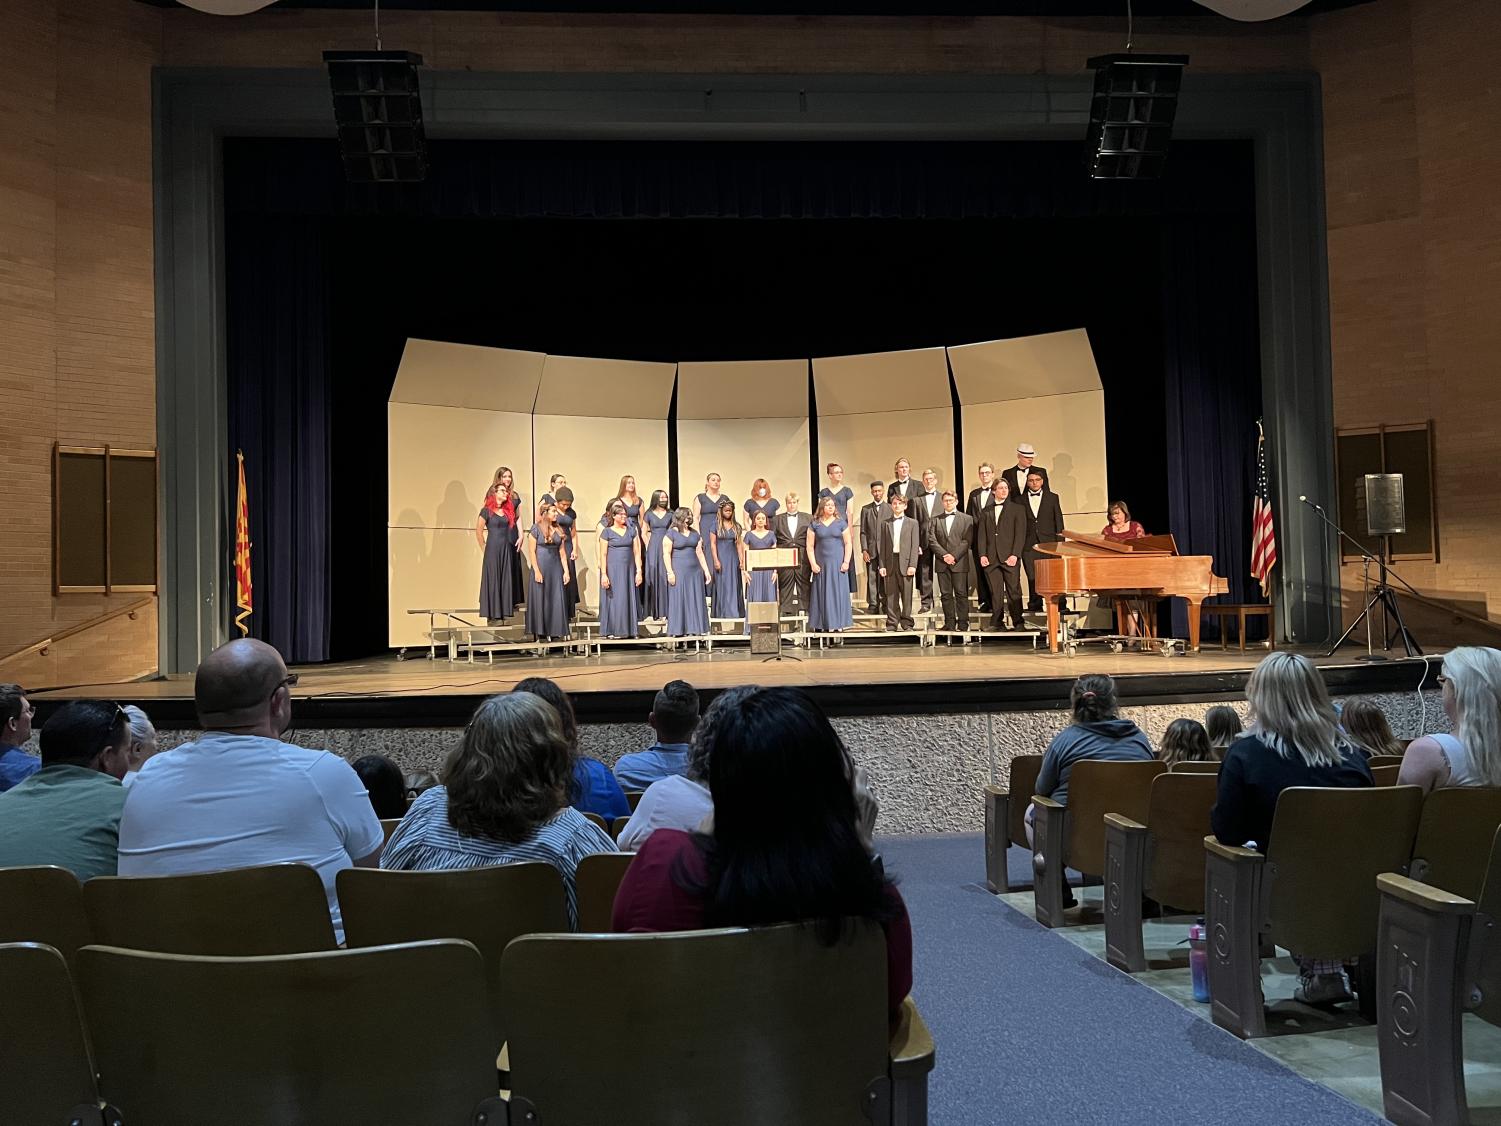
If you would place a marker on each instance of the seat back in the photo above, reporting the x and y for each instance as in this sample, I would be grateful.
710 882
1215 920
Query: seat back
182 1040
1177 822
45 1068
633 798
239 912
1385 775
598 820
597 880
778 1027
1189 767
1487 982
1384 760
43 904
486 907
1328 846
617 825
1096 788
387 827
1457 826
1024 771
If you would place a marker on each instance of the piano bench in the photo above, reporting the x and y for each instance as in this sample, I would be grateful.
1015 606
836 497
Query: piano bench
1239 612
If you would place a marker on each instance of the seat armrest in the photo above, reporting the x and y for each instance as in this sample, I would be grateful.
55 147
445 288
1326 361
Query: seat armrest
1123 823
997 791
1233 853
1046 803
1424 896
912 1050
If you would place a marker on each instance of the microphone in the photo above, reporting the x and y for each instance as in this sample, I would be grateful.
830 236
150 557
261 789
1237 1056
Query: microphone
1311 504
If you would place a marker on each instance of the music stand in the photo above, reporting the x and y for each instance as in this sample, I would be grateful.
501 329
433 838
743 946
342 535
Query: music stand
764 619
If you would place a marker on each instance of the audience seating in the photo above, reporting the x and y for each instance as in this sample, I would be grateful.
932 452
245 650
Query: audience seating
43 904
816 1048
1162 857
1384 760
1196 768
239 912
1454 836
617 826
388 826
633 798
1314 892
1005 819
598 820
596 881
487 907
397 1034
1438 958
46 1074
1075 835
1385 775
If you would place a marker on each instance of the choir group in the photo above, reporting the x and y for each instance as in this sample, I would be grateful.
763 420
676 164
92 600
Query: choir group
682 566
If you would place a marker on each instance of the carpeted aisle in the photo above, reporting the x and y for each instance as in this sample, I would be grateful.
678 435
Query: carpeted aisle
1032 1029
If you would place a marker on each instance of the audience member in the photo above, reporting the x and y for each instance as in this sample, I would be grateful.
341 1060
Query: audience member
503 800
785 842
15 731
238 796
68 812
1223 724
1185 740
1295 741
143 743
1365 723
1471 683
674 715
594 788
415 783
680 801
383 782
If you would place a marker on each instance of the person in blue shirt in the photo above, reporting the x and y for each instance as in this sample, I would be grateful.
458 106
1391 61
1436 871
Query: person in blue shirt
674 715
15 729
593 789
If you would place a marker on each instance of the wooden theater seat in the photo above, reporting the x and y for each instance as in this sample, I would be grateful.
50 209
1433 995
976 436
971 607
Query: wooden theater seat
1162 857
1385 775
1452 846
762 1025
46 1073
633 798
271 909
1438 958
288 1039
1384 760
486 907
1190 767
598 820
617 826
1005 819
43 904
387 827
1313 892
1074 836
597 880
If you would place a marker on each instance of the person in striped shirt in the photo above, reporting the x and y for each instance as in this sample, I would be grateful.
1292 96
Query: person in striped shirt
503 799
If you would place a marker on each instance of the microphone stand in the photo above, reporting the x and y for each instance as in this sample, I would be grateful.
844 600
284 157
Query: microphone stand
1381 594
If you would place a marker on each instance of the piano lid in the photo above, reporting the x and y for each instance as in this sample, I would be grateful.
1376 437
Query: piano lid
1089 543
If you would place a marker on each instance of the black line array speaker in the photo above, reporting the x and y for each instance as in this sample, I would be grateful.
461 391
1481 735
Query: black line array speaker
378 110
1131 114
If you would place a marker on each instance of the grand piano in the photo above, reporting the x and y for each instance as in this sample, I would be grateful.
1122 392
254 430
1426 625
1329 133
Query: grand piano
1150 567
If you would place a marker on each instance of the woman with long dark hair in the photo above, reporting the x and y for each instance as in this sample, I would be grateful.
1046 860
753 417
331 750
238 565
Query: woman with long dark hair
547 553
785 843
654 525
728 597
619 575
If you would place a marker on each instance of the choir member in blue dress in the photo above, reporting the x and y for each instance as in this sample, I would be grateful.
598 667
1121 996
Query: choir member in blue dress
516 512
761 500
706 504
547 552
628 496
554 483
761 586
829 553
496 533
728 600
687 576
619 576
842 494
568 524
654 527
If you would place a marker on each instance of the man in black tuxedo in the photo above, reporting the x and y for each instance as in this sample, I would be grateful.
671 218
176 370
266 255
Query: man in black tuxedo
978 499
872 516
925 507
904 485
1003 541
1044 524
794 584
950 537
898 559
1016 476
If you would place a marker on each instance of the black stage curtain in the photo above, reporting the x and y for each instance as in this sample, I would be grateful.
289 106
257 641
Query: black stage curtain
961 242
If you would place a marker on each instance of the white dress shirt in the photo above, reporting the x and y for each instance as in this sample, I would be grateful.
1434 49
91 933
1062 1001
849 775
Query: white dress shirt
1035 500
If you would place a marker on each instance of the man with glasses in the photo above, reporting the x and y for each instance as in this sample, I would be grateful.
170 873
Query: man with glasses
15 730
238 796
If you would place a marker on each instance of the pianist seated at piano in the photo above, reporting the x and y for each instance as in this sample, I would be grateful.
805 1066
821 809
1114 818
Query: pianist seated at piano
1121 526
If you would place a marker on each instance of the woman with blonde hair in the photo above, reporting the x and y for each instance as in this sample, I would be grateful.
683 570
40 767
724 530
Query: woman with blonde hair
1471 683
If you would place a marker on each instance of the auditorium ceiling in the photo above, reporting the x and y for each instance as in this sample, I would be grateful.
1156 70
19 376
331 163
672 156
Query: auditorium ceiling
1052 9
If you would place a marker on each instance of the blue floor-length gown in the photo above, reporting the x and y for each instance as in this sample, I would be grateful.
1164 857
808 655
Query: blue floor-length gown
519 576
547 608
708 510
829 606
842 505
728 600
654 590
571 594
618 615
771 506
632 516
497 592
763 584
687 612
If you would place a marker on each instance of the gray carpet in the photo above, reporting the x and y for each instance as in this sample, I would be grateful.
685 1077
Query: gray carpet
1032 1029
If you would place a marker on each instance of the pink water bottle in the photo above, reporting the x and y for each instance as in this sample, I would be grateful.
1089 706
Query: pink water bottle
1198 960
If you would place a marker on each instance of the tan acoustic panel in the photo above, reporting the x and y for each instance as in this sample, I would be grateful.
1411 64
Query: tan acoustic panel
430 567
868 445
576 385
1068 432
881 381
1027 367
743 389
740 450
441 461
594 453
439 373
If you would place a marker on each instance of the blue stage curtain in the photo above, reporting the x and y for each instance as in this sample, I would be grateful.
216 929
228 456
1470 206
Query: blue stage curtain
1212 369
277 329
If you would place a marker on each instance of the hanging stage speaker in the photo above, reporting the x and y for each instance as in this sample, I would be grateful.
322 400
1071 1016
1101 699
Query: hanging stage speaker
1385 508
378 110
1131 114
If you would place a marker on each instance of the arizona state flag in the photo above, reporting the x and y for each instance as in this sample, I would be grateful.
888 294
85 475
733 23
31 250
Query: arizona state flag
242 552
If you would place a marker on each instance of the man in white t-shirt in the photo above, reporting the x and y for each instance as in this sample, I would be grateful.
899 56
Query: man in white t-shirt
239 796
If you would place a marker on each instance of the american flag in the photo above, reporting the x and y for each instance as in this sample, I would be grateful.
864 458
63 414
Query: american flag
1263 528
